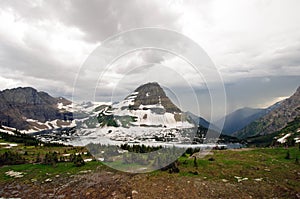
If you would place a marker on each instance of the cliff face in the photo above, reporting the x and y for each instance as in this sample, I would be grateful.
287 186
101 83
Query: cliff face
19 104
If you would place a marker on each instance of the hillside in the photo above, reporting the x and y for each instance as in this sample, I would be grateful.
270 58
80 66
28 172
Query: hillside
275 120
253 173
288 136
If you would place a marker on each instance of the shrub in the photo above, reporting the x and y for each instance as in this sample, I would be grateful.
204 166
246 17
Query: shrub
51 159
288 156
10 158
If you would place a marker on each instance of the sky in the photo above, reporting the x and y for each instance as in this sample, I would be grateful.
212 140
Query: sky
252 46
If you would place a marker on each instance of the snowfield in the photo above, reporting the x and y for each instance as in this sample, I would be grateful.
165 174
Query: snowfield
283 139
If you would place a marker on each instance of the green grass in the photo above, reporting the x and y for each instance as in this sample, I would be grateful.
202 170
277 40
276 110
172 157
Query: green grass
34 151
266 163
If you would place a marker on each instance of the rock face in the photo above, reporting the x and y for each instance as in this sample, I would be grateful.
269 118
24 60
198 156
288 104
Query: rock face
19 104
151 94
275 120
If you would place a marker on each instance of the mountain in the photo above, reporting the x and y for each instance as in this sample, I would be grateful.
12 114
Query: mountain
147 114
275 120
240 118
151 94
201 121
149 106
29 110
289 135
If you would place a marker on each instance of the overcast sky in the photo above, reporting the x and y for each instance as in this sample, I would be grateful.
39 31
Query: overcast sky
254 44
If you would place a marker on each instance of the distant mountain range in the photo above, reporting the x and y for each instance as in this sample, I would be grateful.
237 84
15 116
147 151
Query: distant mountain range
275 120
145 114
200 121
240 118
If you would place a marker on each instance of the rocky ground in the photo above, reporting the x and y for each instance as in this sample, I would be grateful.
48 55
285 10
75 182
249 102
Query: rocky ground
107 184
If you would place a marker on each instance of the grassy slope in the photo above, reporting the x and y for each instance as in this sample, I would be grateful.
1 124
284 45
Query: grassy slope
266 163
280 176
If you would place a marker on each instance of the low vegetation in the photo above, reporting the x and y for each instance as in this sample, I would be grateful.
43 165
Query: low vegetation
260 172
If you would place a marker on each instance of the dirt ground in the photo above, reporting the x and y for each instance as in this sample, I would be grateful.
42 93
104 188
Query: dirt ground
106 184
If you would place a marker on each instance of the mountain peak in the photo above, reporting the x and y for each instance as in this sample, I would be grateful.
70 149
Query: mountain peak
151 86
152 94
17 105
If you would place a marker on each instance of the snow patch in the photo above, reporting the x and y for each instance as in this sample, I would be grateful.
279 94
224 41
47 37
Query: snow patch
283 139
14 174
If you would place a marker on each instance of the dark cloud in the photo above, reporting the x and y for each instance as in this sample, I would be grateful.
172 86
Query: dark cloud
32 63
99 19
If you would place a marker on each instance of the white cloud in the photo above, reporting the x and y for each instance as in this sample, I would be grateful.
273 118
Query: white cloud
242 35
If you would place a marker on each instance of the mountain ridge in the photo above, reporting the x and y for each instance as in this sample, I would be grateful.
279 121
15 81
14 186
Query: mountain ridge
241 117
275 120
20 106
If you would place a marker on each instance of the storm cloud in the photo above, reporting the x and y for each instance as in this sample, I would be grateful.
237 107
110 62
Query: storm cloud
44 44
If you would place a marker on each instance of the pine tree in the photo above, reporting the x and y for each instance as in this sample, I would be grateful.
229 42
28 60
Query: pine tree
78 161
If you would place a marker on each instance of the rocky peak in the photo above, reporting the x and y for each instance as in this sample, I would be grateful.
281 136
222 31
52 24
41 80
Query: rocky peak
19 104
30 96
152 94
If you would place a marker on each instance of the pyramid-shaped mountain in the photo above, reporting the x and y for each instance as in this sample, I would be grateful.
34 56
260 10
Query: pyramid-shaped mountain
146 114
147 106
152 94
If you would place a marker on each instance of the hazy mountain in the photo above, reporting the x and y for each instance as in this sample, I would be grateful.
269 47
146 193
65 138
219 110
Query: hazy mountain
240 118
201 121
26 108
274 120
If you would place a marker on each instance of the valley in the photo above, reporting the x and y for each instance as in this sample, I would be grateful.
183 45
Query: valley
145 147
